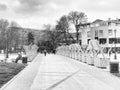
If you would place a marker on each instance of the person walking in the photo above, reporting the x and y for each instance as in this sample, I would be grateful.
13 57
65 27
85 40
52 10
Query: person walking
54 51
45 52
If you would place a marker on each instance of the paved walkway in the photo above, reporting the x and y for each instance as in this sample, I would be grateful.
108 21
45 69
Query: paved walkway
55 72
62 73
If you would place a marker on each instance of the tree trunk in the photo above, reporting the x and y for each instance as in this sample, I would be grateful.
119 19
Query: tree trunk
65 38
77 34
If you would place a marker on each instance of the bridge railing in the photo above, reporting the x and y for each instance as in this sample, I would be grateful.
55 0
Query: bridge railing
84 54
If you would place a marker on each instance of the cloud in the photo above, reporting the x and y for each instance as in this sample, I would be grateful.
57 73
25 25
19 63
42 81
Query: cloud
99 5
28 6
41 6
3 7
52 10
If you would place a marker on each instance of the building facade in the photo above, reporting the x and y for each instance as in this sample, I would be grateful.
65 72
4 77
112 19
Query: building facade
107 32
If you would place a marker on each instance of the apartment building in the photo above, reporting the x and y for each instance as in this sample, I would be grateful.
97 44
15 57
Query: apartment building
107 32
85 32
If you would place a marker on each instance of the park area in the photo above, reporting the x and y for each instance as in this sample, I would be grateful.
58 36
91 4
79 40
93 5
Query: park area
8 71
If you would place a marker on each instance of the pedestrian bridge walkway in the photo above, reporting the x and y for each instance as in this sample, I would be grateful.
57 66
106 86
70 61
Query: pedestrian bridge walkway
55 72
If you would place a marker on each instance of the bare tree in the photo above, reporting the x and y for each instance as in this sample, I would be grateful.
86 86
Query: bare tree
3 33
51 38
55 38
63 27
3 26
8 36
30 38
77 18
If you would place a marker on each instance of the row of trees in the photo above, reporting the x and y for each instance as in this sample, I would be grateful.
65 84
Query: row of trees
60 34
10 36
7 35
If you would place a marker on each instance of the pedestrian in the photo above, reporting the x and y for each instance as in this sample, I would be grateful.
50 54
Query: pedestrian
110 53
45 52
18 58
54 51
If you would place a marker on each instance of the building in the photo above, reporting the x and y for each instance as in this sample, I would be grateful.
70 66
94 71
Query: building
85 33
23 32
107 32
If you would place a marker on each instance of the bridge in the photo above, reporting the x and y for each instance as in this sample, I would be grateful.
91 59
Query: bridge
58 72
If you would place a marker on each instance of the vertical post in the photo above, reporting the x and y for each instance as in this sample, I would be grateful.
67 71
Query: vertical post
115 56
7 43
77 34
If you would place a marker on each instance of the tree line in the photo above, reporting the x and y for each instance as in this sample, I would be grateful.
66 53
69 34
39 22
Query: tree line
61 33
58 35
7 35
10 36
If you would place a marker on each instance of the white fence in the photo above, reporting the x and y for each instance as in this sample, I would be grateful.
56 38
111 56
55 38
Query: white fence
85 54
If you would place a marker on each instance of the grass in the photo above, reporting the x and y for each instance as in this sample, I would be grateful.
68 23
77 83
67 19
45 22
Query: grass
8 71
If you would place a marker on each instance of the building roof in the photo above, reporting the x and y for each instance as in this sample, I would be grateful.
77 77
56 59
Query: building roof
115 21
97 21
85 24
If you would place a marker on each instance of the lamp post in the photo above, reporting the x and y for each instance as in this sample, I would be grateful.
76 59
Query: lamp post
115 56
114 64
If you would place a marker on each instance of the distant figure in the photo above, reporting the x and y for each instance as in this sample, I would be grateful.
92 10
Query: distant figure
18 58
45 52
110 52
54 51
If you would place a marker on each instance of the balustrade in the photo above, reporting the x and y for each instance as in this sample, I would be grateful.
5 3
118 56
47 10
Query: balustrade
90 54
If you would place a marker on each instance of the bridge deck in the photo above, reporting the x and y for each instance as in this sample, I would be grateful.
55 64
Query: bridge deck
61 73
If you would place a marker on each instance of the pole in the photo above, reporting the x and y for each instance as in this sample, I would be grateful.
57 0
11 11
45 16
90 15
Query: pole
7 44
115 57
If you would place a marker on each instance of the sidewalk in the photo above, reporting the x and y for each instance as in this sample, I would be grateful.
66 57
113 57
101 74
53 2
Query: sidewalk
62 73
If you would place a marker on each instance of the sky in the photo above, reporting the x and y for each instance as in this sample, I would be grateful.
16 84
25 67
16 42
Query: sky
36 13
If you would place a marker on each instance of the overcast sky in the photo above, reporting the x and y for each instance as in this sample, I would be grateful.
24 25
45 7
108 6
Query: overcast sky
35 13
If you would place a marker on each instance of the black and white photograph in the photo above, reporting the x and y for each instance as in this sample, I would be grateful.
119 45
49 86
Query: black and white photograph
59 44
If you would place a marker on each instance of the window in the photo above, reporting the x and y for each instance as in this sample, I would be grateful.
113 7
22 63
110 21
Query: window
118 40
88 41
100 33
118 49
110 32
102 40
96 38
103 24
96 33
112 40
88 34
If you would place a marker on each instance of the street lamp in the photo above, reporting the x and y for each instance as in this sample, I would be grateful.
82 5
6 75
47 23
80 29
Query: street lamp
115 56
114 65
